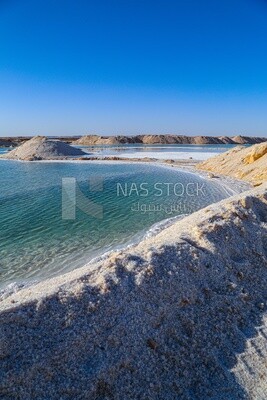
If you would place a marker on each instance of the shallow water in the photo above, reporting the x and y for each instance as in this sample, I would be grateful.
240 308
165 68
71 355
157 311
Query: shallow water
174 151
35 242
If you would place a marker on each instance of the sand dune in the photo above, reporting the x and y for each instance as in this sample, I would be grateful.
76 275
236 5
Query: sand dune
248 163
182 315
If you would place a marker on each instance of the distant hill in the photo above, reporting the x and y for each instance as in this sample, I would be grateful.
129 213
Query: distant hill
92 140
7 142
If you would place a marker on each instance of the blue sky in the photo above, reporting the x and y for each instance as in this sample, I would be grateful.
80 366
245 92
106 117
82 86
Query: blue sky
124 66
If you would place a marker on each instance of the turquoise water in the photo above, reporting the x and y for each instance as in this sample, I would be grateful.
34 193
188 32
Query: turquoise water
35 242
3 150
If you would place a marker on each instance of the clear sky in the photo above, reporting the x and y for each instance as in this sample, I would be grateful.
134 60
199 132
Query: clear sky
133 66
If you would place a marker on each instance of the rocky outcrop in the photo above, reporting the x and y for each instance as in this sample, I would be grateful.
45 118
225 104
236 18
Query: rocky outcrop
92 140
42 148
248 163
181 315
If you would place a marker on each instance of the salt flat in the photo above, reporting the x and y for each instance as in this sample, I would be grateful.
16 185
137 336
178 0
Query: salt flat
185 155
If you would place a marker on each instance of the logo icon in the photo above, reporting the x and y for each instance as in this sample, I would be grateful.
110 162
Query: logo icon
73 198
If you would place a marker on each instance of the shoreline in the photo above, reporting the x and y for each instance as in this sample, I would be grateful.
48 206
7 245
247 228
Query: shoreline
178 293
231 186
84 270
187 300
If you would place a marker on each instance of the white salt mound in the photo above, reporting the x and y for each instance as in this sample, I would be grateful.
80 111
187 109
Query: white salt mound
42 148
182 315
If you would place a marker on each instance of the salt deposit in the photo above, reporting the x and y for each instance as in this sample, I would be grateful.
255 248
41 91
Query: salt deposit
185 155
181 315
42 148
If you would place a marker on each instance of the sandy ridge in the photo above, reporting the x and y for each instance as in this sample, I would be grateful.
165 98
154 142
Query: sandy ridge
247 163
167 318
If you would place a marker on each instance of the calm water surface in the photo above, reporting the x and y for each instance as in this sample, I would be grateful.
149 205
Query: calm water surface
35 242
